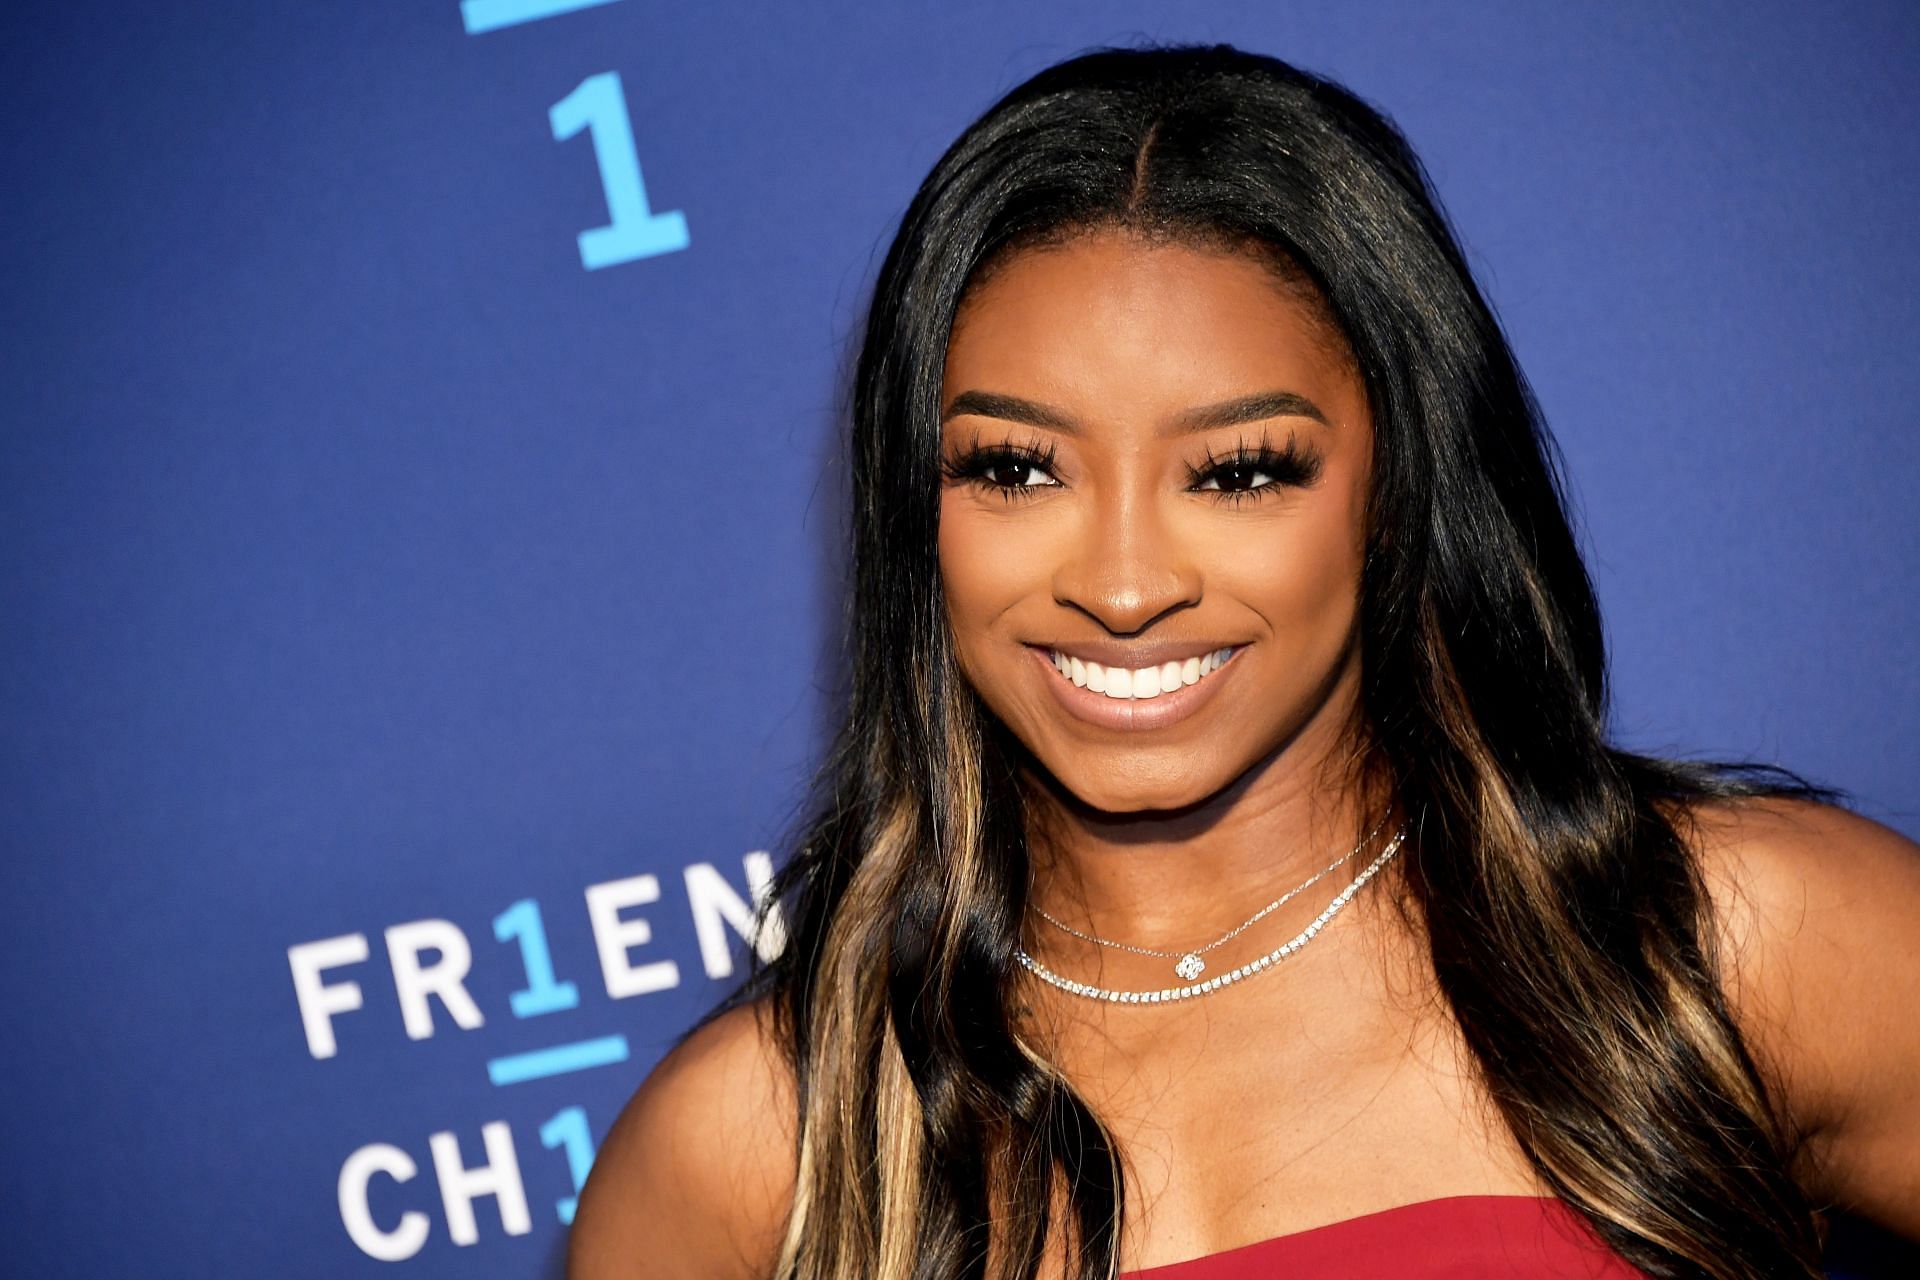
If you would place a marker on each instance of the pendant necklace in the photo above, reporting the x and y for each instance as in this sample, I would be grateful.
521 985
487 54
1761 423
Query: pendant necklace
1170 994
1190 965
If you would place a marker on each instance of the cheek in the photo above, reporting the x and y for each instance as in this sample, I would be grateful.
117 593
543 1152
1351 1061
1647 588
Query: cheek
980 568
1303 577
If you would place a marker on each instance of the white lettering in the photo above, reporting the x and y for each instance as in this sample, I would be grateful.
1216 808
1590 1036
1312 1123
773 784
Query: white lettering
318 1000
414 982
386 1246
614 937
716 906
499 1177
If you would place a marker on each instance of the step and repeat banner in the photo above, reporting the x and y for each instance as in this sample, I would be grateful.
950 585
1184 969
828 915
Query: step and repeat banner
420 505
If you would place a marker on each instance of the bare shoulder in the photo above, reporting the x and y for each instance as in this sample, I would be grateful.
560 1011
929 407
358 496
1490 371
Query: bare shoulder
696 1176
1818 915
1793 879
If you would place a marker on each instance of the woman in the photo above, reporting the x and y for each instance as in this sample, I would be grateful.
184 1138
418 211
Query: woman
1223 844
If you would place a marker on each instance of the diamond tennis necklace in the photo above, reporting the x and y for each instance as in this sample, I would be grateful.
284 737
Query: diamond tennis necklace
1190 964
1170 994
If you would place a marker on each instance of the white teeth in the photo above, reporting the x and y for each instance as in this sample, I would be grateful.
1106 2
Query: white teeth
1138 684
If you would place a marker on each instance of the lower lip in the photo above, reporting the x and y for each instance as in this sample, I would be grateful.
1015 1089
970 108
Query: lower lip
1132 714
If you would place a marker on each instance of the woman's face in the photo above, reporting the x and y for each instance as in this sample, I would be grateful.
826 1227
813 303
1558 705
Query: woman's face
1154 454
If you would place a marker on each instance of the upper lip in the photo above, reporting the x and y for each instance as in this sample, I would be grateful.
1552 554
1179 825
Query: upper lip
1156 653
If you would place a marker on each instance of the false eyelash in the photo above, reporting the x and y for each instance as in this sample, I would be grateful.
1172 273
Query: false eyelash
1290 466
972 465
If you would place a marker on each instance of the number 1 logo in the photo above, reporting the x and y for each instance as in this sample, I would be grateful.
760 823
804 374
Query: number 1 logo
633 230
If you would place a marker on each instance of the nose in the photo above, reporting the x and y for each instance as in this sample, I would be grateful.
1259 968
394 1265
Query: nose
1128 568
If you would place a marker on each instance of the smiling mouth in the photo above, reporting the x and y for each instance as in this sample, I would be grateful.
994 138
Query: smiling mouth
1139 684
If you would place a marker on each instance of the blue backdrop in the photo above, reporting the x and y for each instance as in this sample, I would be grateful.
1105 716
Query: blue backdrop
419 604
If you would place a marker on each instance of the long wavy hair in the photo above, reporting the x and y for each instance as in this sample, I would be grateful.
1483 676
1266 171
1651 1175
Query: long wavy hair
1549 869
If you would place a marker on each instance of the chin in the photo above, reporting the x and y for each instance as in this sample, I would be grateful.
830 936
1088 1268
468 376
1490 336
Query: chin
1127 791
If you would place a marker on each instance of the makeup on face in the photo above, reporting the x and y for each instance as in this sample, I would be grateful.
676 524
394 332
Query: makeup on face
1154 479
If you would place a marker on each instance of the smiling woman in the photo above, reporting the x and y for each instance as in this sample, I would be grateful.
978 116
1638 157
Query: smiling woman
1115 496
1215 603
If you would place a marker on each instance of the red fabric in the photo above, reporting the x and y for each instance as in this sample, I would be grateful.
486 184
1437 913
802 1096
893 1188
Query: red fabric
1458 1238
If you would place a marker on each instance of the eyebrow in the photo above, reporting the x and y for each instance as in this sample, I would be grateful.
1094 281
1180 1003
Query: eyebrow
1228 413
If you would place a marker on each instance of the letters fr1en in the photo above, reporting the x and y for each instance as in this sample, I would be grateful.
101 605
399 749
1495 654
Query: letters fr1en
417 979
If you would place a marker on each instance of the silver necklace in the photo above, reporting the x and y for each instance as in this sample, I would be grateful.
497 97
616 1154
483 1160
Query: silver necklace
1190 964
1170 994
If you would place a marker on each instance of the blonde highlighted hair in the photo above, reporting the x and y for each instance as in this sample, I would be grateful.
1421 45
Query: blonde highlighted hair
933 1140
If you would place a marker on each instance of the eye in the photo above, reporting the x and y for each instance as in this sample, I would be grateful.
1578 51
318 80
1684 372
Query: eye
1238 477
1251 471
1012 471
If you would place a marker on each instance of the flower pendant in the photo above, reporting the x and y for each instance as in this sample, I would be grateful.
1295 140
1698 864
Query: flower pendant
1190 967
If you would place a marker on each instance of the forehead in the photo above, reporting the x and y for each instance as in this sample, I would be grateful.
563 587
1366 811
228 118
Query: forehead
1109 313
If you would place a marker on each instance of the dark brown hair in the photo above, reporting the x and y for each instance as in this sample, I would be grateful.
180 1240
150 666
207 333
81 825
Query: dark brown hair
932 1137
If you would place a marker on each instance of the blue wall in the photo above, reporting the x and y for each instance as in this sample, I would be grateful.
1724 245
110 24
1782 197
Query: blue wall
368 560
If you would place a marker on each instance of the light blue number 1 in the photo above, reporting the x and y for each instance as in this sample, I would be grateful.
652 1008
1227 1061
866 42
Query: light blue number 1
569 1129
543 994
633 230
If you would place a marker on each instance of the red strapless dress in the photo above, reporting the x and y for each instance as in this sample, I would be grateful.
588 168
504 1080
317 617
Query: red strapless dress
1457 1238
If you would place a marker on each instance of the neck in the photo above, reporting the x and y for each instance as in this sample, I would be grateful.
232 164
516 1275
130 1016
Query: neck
1171 879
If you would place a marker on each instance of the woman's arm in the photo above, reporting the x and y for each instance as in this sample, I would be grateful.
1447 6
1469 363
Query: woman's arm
696 1177
1819 918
